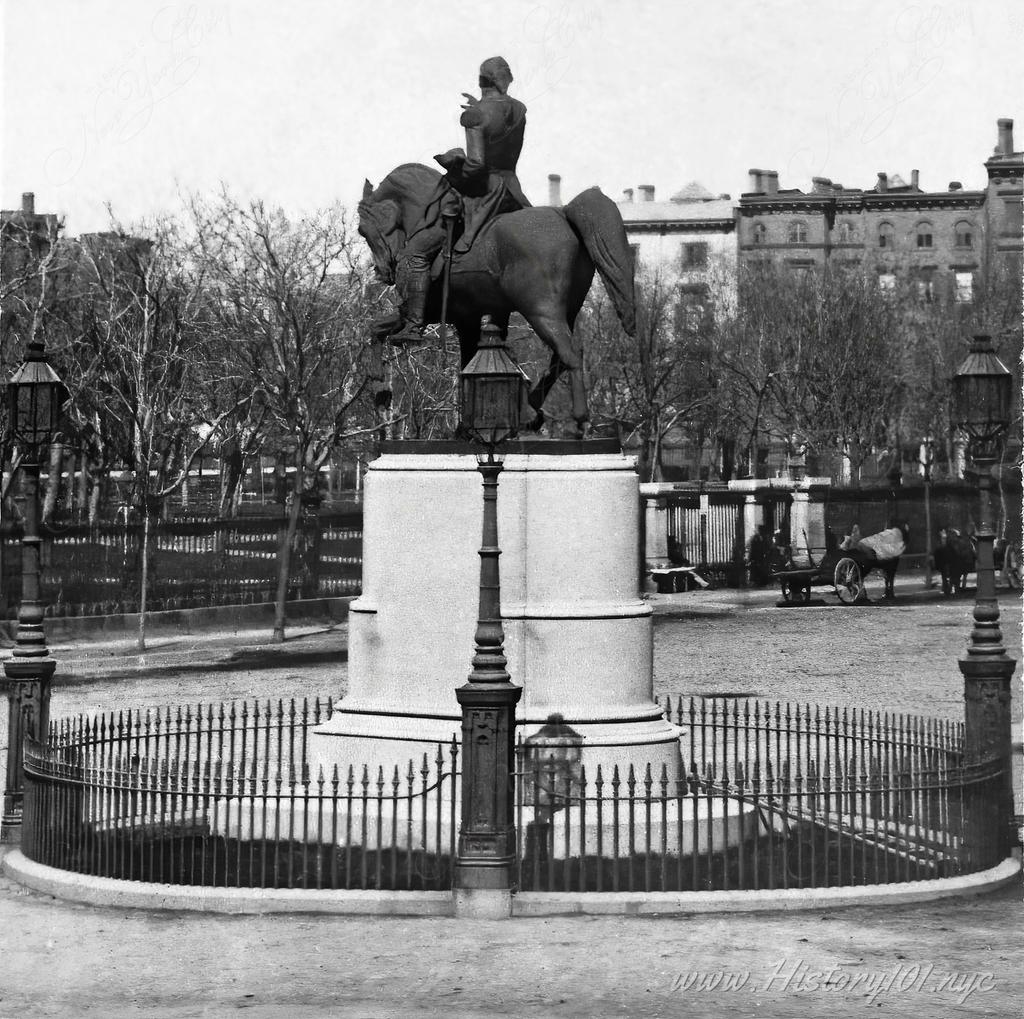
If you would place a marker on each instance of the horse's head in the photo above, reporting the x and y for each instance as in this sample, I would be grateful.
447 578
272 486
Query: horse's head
380 227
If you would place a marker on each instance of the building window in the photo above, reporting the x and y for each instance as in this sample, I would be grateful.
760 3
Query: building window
886 236
964 287
886 282
797 233
925 289
964 235
924 235
845 233
760 233
695 255
689 315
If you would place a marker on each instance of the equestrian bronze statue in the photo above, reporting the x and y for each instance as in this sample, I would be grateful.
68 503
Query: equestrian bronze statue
467 243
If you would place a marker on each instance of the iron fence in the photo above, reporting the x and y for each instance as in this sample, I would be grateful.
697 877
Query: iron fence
765 796
226 796
708 531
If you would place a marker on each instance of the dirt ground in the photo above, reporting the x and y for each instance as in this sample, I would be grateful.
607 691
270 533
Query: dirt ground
949 959
959 958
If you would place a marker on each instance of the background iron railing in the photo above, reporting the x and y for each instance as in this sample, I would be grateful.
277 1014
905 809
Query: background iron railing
766 796
94 569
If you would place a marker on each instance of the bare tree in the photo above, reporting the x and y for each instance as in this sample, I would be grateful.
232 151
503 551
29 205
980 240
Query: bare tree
290 301
136 360
646 385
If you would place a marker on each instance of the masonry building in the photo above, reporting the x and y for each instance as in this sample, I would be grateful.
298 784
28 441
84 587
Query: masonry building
940 241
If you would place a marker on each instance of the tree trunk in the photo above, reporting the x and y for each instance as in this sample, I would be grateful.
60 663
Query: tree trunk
96 476
232 474
143 579
284 555
53 480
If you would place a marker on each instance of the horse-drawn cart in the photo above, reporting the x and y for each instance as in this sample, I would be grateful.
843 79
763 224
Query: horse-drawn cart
847 567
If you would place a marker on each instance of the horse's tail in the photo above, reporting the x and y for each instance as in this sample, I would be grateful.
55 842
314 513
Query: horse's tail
597 221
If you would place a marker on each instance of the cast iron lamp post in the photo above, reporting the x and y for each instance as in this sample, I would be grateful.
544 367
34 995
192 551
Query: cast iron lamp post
982 393
36 397
490 393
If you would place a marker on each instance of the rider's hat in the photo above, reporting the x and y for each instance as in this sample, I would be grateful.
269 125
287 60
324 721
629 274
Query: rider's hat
495 71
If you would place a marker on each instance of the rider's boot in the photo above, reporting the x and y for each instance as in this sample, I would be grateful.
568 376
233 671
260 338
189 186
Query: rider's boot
417 288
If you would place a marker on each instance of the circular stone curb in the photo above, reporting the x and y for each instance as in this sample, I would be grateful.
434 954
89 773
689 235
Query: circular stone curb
779 900
106 891
103 891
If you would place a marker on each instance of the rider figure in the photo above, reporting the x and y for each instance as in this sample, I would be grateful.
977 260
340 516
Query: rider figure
485 175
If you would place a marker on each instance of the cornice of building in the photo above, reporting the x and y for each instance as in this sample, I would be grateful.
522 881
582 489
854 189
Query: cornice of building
661 226
924 200
754 205
1005 169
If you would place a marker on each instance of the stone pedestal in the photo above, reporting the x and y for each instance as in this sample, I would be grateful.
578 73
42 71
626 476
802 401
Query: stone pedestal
578 636
655 533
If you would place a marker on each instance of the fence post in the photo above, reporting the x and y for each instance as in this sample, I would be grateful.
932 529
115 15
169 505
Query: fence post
705 508
27 675
486 854
987 671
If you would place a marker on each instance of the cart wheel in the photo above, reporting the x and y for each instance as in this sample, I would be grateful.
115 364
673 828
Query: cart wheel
1011 566
849 582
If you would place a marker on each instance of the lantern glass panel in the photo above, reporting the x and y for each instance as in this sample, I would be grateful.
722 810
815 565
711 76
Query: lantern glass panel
489 406
43 420
982 404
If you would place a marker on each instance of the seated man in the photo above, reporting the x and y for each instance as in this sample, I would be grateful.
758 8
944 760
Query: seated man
780 555
484 174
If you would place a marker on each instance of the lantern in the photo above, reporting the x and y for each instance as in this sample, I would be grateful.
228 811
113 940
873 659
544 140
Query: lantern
35 401
491 389
552 759
982 395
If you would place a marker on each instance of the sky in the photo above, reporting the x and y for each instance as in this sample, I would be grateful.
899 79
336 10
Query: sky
135 103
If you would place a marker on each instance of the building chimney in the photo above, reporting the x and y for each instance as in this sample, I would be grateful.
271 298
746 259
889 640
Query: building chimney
627 194
771 182
955 185
883 183
1005 146
821 186
646 192
28 203
554 189
915 180
756 185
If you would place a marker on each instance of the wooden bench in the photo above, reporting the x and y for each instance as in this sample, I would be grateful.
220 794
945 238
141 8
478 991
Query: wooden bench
672 579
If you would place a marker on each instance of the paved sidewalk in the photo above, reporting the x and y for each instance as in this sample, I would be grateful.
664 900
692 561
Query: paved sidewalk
100 654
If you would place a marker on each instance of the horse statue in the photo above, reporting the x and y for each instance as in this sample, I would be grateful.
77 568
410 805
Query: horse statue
538 261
